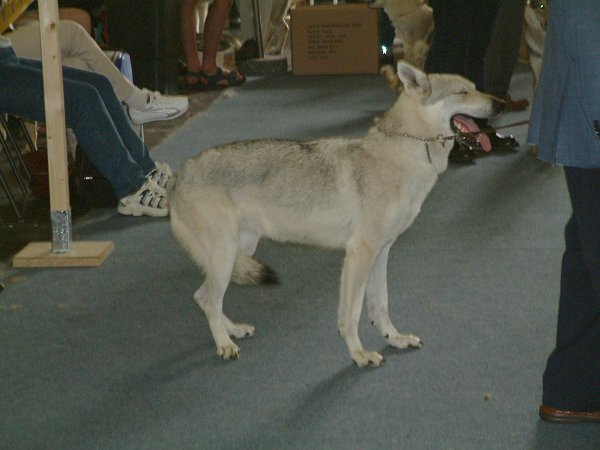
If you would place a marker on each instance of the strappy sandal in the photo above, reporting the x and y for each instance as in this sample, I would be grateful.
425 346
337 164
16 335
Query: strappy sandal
220 80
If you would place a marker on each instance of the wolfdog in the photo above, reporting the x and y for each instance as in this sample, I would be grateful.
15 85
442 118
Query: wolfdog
413 24
351 194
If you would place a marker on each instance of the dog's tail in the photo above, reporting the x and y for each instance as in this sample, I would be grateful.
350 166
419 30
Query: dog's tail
248 270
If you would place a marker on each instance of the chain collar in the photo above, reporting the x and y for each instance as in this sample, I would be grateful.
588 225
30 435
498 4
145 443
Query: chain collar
440 138
463 138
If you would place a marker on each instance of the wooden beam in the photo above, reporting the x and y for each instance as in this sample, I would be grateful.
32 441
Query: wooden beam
62 253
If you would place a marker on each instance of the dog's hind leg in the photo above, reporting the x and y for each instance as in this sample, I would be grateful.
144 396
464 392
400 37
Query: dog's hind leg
355 273
210 298
377 305
212 246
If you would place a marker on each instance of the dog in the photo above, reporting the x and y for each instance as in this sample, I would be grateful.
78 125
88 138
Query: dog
413 26
353 194
534 33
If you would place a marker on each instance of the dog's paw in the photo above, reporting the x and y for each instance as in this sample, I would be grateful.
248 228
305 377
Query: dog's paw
363 358
404 340
240 330
229 351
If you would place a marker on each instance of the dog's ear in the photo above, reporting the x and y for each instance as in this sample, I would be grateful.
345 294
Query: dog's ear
415 81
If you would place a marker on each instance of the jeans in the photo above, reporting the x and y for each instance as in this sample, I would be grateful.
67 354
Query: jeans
92 110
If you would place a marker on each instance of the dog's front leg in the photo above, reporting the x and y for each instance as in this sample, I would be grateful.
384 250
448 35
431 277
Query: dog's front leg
377 305
355 273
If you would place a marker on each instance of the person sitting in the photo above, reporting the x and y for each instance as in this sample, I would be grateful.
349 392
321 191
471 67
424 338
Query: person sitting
100 123
79 50
206 74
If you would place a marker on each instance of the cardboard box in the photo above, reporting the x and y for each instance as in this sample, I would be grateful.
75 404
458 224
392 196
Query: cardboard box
335 39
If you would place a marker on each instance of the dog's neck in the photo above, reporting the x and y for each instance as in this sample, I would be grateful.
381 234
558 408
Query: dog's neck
430 146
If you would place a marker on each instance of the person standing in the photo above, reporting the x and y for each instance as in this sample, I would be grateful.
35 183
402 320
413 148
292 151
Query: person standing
462 34
502 53
565 125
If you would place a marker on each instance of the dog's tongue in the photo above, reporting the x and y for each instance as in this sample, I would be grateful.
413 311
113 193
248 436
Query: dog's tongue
466 125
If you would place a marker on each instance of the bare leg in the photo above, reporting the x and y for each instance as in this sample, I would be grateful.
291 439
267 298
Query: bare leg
187 20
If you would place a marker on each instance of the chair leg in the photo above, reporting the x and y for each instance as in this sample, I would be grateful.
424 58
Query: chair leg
10 196
4 143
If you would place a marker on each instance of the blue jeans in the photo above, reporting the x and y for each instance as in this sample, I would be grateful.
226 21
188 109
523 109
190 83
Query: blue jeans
92 110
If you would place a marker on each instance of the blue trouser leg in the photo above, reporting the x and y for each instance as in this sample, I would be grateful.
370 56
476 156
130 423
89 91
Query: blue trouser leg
572 376
92 110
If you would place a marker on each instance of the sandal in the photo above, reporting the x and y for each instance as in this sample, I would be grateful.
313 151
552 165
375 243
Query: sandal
220 80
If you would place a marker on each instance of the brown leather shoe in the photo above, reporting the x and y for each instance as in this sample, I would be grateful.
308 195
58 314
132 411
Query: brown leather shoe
561 416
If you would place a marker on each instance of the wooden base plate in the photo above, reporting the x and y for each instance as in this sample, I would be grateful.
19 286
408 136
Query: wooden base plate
82 254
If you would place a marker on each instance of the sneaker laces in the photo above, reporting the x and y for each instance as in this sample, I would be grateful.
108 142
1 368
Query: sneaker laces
155 99
160 175
150 195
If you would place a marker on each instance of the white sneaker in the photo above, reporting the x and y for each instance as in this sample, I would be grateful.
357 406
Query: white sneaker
149 200
161 175
159 107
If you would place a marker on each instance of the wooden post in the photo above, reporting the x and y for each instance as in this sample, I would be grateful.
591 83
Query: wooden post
56 137
62 251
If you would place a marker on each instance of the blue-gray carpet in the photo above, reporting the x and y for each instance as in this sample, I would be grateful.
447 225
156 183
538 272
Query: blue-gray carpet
120 357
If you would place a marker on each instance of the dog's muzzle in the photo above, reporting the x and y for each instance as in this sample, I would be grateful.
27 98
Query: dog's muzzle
469 134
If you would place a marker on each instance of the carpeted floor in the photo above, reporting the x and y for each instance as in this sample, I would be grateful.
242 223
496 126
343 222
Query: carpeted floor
120 356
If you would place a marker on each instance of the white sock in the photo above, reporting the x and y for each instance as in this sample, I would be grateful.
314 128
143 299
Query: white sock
137 100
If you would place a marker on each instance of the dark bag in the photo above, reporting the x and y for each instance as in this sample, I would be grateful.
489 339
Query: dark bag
88 188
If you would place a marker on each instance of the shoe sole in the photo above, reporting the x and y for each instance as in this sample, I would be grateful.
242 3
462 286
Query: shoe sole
125 211
161 119
567 417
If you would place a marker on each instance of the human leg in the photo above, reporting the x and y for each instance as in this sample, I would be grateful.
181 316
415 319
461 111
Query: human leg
448 48
213 30
187 21
572 375
206 73
22 94
99 121
482 14
501 55
79 50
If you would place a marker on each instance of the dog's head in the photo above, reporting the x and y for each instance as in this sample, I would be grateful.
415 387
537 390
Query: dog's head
540 7
448 103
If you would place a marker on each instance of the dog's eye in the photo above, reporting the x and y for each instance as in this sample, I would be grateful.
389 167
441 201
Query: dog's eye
463 92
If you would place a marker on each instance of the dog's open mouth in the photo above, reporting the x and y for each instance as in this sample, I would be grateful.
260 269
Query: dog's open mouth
469 134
